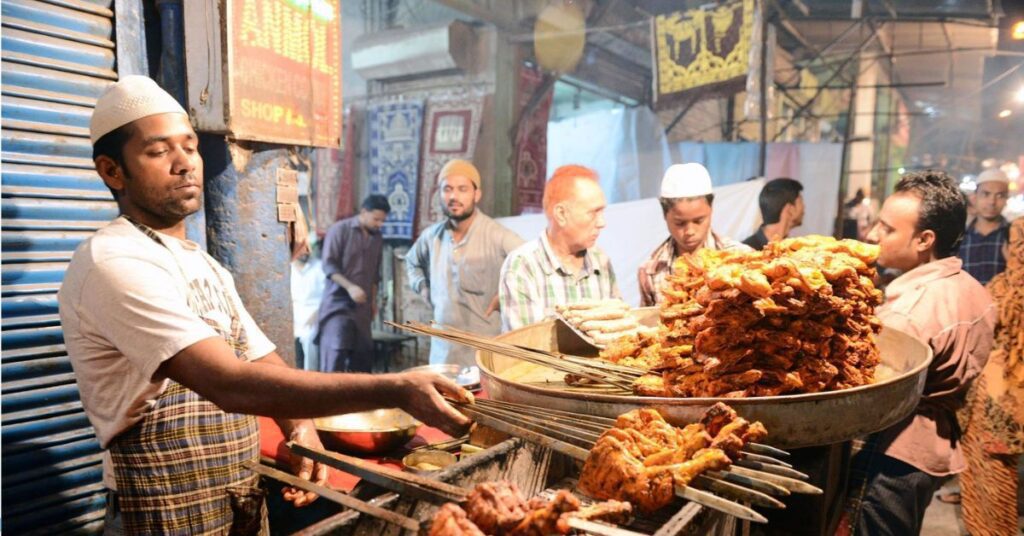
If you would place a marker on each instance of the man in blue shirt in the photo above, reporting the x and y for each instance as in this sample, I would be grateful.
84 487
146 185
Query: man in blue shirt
985 238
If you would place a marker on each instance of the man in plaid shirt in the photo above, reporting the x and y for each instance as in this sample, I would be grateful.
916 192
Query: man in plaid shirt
985 238
563 265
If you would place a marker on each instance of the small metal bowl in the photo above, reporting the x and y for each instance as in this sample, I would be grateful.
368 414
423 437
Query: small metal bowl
368 432
426 461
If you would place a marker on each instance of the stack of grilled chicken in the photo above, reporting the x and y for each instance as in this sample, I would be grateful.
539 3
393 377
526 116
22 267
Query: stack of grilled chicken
796 317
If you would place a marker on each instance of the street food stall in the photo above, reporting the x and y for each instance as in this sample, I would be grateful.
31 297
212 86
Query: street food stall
627 406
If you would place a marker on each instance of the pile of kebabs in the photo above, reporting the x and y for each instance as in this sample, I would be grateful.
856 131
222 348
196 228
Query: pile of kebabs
499 509
643 459
796 317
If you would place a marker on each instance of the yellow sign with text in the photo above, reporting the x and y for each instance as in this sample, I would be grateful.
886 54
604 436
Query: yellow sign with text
285 71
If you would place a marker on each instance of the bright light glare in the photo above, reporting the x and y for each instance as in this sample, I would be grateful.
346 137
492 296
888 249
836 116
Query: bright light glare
901 170
1020 94
1005 113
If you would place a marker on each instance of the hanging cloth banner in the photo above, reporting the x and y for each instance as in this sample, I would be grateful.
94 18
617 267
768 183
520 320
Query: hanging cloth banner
532 145
327 166
702 48
452 128
353 121
395 130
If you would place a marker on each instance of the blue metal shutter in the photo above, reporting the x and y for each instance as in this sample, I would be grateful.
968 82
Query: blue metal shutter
57 57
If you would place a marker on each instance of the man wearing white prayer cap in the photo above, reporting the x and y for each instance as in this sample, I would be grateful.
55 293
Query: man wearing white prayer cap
171 368
686 199
986 237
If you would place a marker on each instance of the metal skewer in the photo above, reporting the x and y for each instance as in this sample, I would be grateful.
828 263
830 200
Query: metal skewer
791 484
764 459
347 501
737 492
771 468
618 379
414 485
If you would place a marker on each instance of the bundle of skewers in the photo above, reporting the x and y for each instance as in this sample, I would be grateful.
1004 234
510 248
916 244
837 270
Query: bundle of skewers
490 508
617 378
642 459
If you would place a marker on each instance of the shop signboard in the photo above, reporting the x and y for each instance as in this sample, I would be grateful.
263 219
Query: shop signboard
272 69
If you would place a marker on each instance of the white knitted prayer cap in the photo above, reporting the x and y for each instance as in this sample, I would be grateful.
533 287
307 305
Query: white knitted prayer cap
130 98
685 180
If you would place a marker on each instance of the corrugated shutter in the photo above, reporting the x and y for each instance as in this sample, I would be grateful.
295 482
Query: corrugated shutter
57 57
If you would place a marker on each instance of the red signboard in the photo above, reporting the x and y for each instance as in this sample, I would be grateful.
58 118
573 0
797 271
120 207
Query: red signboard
284 71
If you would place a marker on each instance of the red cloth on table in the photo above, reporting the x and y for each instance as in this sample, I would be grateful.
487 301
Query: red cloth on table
272 445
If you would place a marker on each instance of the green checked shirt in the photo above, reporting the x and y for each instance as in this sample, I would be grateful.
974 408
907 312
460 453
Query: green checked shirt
533 282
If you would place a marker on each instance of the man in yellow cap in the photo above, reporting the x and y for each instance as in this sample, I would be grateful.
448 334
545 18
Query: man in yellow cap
455 263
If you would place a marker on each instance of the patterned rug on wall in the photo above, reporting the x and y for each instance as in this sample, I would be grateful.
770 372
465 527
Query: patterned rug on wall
451 130
395 130
531 157
327 171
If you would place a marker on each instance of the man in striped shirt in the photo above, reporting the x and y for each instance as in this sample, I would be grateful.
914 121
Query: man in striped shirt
563 265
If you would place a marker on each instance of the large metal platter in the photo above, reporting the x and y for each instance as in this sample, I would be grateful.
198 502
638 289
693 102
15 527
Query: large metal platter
793 421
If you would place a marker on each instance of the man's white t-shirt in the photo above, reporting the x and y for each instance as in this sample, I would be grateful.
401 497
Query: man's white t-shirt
124 308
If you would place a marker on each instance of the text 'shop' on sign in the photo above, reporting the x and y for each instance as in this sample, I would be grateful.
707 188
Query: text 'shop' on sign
285 71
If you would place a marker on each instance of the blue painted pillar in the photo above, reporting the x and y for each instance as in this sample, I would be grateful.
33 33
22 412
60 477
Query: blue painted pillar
244 235
171 76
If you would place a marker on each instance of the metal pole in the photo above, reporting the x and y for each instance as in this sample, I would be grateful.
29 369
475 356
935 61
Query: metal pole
171 76
844 166
763 153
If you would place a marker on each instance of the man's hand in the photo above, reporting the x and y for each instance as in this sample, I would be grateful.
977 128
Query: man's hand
422 396
425 294
493 306
304 433
358 295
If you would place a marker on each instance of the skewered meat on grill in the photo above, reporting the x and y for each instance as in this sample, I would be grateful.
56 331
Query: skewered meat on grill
795 317
451 520
548 517
498 508
643 458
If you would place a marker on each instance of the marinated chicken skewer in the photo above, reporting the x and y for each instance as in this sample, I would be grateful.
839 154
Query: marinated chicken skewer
710 471
753 451
498 508
585 436
494 508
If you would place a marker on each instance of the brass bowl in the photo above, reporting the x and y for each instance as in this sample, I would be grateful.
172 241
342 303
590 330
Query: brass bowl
426 461
367 432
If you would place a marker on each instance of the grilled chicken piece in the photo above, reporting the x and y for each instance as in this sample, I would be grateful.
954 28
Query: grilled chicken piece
496 507
451 520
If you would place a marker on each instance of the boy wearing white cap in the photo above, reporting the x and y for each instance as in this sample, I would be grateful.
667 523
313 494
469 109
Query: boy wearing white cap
170 366
986 236
455 263
686 199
